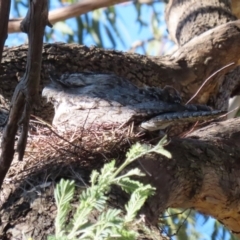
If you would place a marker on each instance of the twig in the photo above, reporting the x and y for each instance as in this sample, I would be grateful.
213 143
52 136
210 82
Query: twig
209 78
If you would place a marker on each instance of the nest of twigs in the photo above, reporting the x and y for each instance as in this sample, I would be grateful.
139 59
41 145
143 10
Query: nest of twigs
56 152
27 195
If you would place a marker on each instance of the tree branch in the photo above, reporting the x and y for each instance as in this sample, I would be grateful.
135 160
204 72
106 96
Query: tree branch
203 174
26 92
70 11
236 8
185 70
4 16
204 171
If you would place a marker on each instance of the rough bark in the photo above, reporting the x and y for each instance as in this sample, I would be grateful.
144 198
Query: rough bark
188 19
203 174
200 16
185 70
236 8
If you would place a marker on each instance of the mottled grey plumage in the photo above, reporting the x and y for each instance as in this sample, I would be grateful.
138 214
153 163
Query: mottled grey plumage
90 99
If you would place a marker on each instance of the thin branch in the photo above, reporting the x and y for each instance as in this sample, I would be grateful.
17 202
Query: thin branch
4 17
26 92
70 11
208 79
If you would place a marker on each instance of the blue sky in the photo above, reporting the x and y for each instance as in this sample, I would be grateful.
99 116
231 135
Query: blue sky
130 29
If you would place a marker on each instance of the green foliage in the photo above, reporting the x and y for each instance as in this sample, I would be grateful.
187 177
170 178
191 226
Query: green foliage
111 223
63 195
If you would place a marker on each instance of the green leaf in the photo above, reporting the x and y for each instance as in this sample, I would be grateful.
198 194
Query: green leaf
131 172
94 177
126 234
63 27
136 201
108 168
63 195
110 36
129 185
159 148
136 151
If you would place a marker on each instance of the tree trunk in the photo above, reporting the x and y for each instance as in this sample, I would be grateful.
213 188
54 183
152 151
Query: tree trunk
203 173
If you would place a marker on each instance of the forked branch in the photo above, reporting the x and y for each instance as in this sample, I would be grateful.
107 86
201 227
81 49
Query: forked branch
26 92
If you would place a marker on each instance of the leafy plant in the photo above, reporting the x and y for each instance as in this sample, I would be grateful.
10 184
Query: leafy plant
111 223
